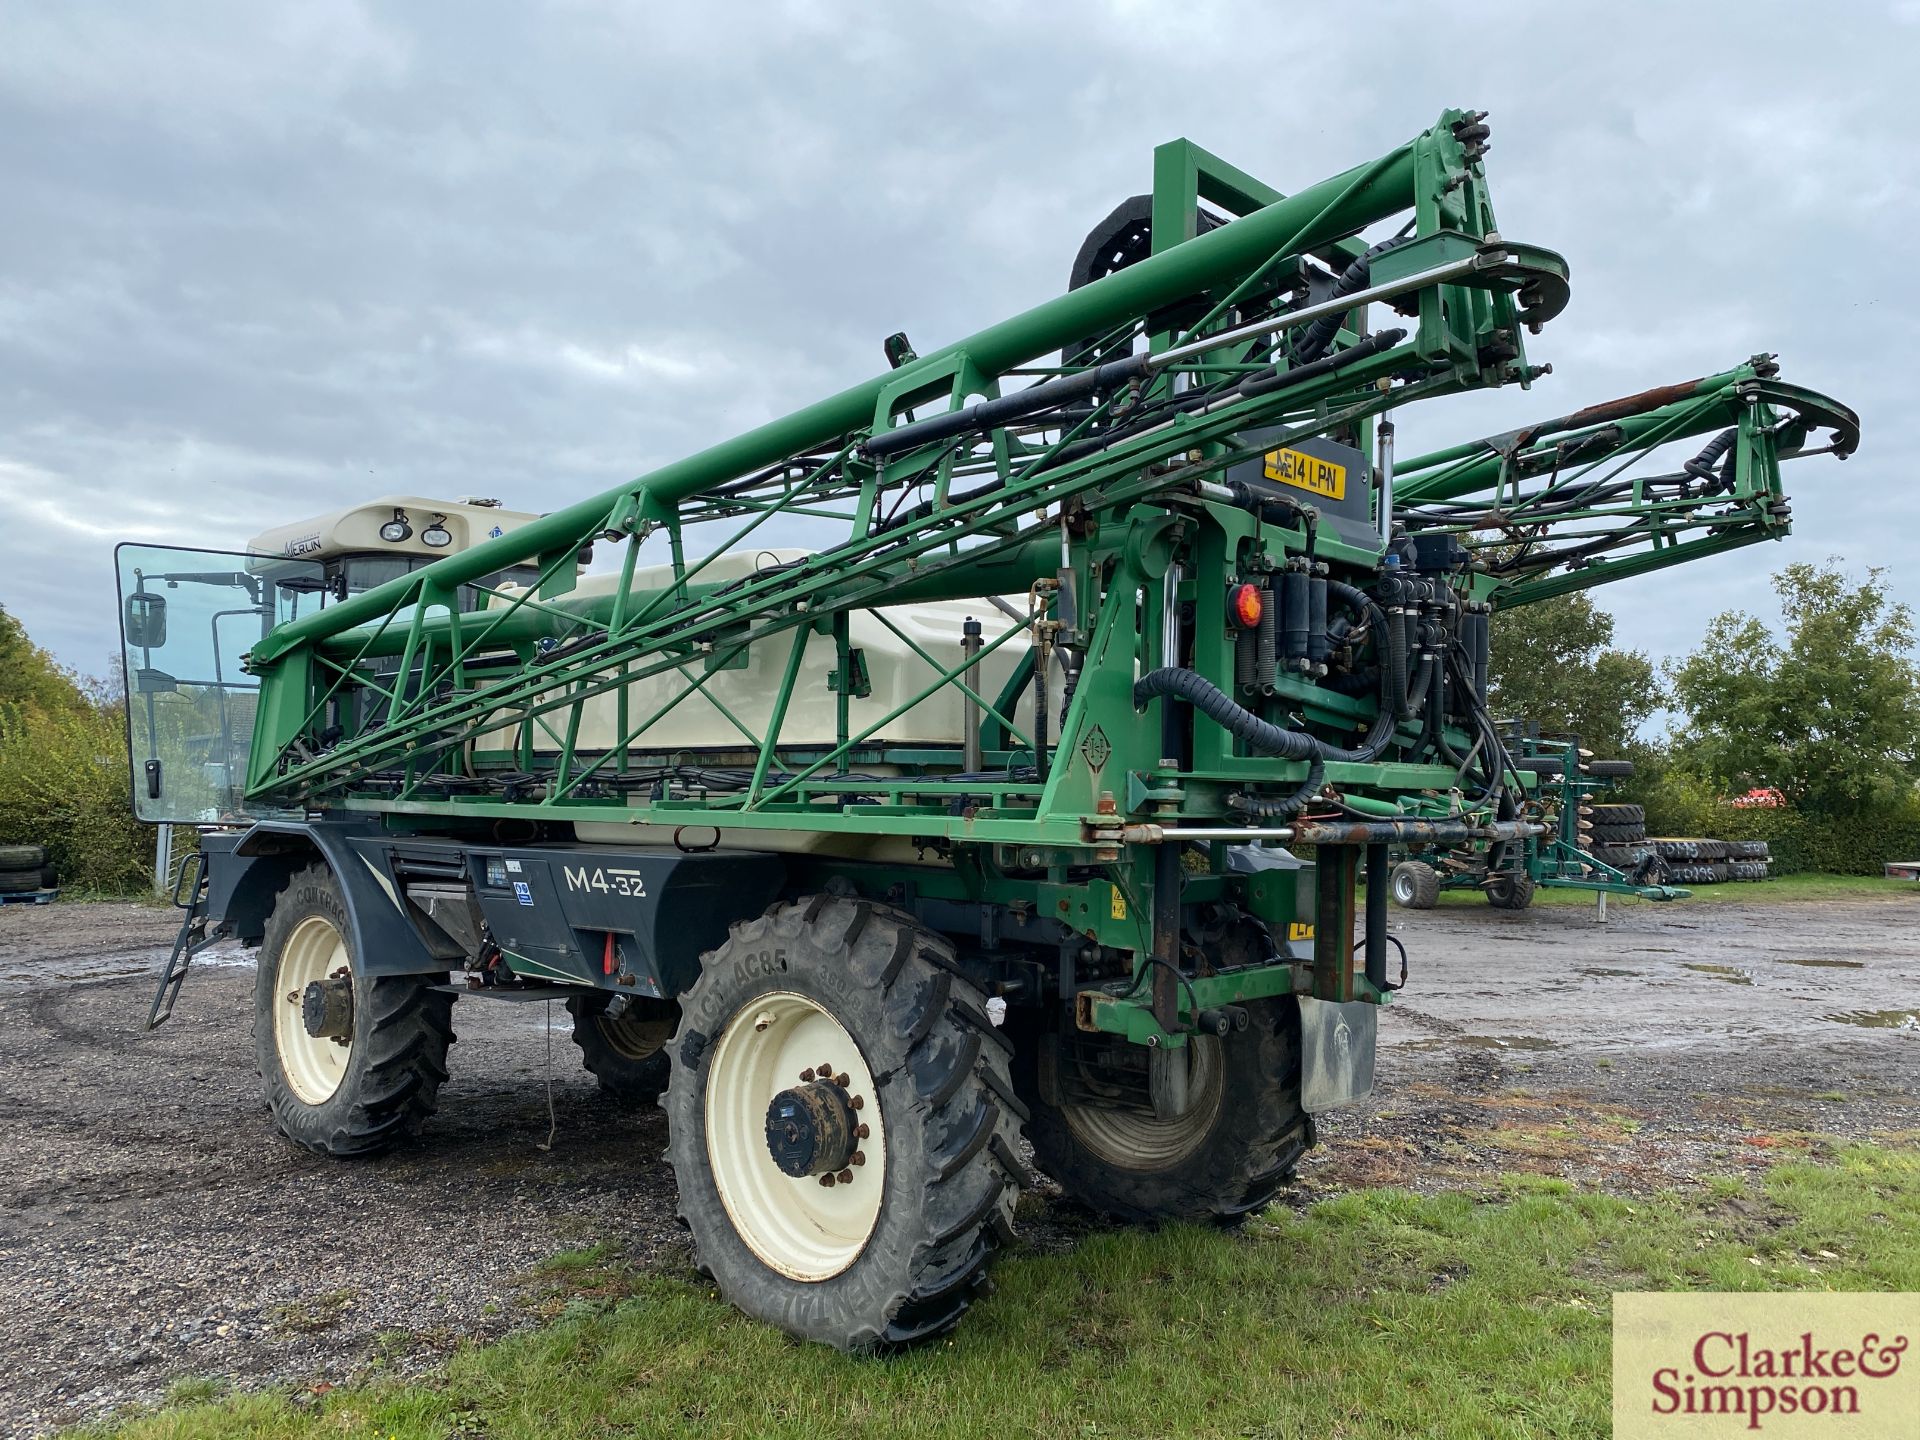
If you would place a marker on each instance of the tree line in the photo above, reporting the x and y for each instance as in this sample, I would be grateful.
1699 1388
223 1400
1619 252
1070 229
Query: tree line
1819 711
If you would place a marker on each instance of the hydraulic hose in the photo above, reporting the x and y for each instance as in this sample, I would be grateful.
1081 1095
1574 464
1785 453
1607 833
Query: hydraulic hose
1396 637
1701 466
1269 739
1319 335
1287 806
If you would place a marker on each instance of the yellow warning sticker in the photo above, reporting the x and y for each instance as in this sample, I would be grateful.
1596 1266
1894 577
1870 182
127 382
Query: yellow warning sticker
1119 906
1307 472
1299 930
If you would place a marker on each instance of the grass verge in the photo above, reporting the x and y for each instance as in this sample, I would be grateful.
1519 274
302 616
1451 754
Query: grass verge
1758 892
1379 1312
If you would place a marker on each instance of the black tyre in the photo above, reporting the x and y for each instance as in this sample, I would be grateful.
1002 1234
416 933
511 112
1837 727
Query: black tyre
1510 892
1415 885
1540 765
1618 834
1685 851
918 1114
1748 849
1612 814
49 878
22 857
627 1054
1610 769
376 1083
1094 1129
1711 850
1622 857
1699 873
19 882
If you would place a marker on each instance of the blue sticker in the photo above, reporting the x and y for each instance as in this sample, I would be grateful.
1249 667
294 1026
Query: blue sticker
524 894
495 533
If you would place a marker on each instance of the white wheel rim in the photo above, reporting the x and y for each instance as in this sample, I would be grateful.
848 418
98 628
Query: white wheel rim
632 1039
314 1066
796 1225
1403 888
1130 1140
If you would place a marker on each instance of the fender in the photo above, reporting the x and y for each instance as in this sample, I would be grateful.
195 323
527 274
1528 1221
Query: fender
267 855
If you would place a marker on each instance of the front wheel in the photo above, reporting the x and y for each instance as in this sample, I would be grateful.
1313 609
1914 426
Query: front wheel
1096 1129
841 1124
352 1064
1415 885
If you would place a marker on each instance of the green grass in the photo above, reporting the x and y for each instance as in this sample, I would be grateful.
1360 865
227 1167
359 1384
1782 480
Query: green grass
1376 1313
1759 892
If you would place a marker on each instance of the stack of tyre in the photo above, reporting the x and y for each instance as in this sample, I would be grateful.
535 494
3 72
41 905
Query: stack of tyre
24 870
1619 839
1712 862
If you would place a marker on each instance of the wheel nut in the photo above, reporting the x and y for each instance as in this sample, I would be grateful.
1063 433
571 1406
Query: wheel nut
826 1071
846 1177
841 1080
859 1102
806 1075
828 1180
859 1157
860 1131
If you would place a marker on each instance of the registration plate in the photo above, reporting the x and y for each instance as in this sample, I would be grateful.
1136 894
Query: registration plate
1308 472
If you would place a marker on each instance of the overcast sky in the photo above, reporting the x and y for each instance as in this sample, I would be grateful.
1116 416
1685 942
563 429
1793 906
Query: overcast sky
259 260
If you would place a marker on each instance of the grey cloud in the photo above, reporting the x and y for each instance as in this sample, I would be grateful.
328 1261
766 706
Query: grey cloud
262 260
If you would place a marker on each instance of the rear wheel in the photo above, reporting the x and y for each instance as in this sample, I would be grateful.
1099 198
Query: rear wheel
1415 884
1510 892
627 1053
352 1063
842 1125
1096 1129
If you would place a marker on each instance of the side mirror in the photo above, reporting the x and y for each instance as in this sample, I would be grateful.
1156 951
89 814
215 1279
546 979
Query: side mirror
145 622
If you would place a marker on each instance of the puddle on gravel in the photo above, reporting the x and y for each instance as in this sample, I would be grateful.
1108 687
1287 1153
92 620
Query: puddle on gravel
1880 1019
1827 964
1482 1042
1731 974
20 975
1621 974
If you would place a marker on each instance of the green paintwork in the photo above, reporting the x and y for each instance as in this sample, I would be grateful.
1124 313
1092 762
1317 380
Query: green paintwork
1123 504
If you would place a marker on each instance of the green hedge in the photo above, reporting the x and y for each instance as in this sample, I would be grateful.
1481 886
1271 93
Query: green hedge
64 785
1798 841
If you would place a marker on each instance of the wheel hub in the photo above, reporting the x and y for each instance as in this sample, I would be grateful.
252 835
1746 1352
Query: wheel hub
326 1008
811 1129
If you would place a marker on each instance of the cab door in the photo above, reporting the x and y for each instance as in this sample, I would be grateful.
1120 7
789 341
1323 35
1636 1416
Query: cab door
187 618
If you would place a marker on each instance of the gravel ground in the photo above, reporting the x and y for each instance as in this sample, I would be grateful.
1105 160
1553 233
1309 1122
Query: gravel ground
154 1228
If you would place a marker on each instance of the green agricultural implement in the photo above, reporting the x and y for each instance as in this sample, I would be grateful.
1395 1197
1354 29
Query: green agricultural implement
980 818
1589 843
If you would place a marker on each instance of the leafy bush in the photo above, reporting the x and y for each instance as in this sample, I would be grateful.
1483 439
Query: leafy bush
64 785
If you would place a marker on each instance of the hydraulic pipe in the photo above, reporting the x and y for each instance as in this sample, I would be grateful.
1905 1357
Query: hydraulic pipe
970 634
